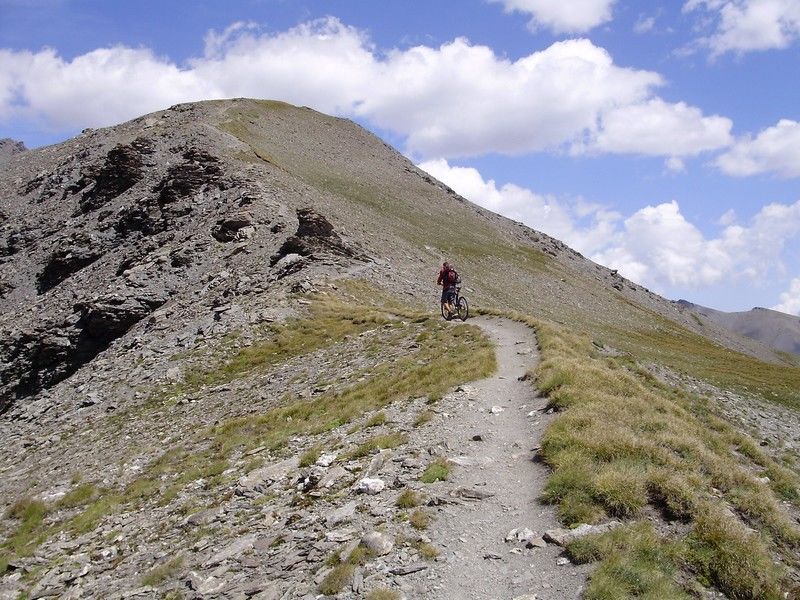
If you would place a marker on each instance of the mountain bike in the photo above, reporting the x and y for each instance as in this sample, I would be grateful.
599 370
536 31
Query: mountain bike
461 307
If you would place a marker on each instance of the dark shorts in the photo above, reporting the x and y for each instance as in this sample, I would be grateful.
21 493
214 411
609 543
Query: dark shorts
449 294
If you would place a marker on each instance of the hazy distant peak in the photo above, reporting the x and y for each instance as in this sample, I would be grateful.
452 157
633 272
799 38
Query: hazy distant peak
9 148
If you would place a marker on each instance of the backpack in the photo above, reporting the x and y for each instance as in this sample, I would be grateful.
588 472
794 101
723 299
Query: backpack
452 276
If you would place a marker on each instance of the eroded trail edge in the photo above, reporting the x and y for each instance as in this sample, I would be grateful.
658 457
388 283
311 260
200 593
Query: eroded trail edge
492 431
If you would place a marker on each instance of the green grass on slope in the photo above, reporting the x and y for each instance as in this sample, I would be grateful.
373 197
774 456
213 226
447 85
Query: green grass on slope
671 345
626 445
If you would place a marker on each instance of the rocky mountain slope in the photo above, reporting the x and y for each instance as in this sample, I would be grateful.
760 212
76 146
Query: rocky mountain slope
9 147
770 327
220 319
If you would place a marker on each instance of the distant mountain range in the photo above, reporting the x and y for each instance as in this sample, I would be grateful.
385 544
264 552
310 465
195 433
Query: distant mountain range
775 329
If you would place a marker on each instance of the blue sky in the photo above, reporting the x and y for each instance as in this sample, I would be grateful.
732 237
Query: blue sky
662 139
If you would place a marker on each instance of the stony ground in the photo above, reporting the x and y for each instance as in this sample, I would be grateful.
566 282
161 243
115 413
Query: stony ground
493 431
130 254
276 529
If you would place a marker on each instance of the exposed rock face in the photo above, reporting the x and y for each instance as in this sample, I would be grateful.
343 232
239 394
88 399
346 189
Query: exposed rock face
122 168
69 256
314 237
40 358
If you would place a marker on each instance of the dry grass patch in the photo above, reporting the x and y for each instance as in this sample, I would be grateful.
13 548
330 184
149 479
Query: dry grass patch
310 456
426 416
419 519
452 355
162 572
375 444
636 563
409 499
377 420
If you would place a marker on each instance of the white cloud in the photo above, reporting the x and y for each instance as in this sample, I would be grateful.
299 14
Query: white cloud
644 24
775 150
98 88
675 164
790 299
461 99
584 226
458 99
566 16
656 128
659 246
749 25
656 246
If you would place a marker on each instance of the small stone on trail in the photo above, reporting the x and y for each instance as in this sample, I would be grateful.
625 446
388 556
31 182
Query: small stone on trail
326 460
408 570
377 543
471 494
522 534
562 537
563 561
492 556
469 461
477 438
370 486
536 542
495 410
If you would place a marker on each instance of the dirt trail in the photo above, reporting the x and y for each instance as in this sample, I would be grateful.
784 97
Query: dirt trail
476 561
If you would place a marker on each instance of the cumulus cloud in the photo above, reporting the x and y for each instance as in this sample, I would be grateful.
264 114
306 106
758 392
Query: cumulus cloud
582 225
651 127
644 24
656 245
748 25
790 299
573 16
774 150
458 99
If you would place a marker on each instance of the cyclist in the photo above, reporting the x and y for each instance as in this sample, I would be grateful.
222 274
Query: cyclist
448 278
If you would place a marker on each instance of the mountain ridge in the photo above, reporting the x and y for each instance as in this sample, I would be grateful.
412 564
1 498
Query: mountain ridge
773 328
219 319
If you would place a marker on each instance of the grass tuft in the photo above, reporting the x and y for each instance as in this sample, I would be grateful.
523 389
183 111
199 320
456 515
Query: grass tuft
377 419
310 456
337 579
438 470
162 572
409 499
419 519
78 496
375 444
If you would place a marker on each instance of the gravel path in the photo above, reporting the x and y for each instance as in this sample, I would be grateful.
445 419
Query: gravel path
477 562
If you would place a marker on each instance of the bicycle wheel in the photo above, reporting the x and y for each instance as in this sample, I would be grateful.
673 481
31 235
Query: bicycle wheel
462 308
446 315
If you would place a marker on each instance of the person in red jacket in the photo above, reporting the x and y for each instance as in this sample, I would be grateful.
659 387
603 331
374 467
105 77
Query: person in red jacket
448 278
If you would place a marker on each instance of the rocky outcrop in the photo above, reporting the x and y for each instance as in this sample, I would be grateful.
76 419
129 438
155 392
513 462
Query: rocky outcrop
69 256
122 168
36 359
315 237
